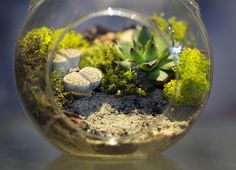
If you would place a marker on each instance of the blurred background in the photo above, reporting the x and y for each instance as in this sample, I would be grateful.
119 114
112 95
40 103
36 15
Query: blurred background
209 145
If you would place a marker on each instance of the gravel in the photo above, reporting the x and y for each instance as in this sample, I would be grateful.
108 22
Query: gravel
109 115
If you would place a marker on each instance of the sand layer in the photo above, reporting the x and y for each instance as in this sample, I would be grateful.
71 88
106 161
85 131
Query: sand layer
108 115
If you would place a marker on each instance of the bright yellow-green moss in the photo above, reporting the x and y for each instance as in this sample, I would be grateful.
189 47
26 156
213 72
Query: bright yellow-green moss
160 21
38 42
70 40
180 28
96 56
192 63
193 85
34 49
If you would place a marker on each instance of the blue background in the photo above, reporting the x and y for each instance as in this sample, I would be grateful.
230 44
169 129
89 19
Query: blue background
209 145
219 18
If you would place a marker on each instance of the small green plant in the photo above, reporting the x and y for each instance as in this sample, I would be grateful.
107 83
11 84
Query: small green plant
193 84
143 54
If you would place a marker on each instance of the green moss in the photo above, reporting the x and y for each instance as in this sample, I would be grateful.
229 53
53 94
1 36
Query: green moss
98 56
121 82
116 80
70 40
160 21
34 49
38 42
193 85
57 86
180 28
192 62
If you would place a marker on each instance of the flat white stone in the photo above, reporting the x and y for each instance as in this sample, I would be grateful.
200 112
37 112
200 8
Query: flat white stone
76 82
66 59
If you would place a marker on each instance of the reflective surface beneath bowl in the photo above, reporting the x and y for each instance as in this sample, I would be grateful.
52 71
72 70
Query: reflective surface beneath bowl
206 147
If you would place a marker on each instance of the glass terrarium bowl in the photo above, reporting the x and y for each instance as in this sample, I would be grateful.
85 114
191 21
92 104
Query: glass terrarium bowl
116 77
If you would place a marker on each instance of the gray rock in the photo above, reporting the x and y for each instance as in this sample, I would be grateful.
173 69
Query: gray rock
84 81
66 59
76 82
93 75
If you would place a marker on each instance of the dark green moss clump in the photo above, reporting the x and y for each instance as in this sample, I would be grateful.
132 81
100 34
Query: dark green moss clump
121 82
61 96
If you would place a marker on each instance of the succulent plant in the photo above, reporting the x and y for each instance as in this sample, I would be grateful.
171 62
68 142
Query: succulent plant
148 54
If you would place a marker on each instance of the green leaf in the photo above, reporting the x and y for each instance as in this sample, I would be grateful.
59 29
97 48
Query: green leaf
163 41
159 76
154 75
137 45
136 56
149 43
126 64
164 54
124 47
151 53
149 66
162 78
167 35
168 65
144 36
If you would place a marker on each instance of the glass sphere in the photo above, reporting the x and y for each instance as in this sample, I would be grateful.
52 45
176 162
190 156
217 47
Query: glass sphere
116 77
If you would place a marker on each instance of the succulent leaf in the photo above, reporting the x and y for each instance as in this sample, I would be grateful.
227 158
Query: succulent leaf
137 45
136 57
164 41
164 54
158 76
151 53
152 76
150 43
162 78
126 64
144 36
124 47
168 65
149 66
